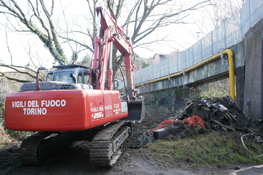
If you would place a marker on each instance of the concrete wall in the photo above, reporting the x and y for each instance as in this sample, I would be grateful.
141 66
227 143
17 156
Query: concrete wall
252 90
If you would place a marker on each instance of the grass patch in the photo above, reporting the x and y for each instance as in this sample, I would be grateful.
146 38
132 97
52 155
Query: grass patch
18 134
216 147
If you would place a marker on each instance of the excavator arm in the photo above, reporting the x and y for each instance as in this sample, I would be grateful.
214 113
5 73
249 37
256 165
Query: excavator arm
108 33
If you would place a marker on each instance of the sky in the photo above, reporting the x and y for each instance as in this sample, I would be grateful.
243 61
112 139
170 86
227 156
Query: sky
26 47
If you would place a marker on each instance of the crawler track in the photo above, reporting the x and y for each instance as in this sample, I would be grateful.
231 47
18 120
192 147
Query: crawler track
104 151
105 146
44 146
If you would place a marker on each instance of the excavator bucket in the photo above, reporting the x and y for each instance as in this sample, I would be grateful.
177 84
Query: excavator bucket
136 111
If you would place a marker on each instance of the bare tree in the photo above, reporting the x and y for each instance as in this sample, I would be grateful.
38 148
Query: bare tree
33 20
143 19
222 10
213 16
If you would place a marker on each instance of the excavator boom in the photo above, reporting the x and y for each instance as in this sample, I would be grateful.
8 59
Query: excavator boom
108 33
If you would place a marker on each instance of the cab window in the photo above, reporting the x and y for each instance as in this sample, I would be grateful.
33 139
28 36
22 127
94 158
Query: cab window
80 77
49 76
63 76
86 77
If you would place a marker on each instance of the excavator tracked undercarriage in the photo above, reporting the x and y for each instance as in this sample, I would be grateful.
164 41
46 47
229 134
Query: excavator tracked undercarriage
104 151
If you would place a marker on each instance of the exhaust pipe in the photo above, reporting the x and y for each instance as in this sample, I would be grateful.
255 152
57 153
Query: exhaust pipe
37 78
73 77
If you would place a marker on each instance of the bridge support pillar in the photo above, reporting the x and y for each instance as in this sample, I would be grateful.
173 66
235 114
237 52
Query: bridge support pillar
179 95
253 69
240 86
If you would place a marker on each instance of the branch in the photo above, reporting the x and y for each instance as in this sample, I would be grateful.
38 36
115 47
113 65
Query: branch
30 55
14 79
93 16
119 62
14 29
78 32
52 8
67 26
147 48
54 35
110 7
69 39
151 42
157 24
136 18
128 20
41 21
161 21
17 70
119 7
9 14
8 48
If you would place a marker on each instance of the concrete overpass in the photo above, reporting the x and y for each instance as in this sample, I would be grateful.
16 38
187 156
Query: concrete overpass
205 62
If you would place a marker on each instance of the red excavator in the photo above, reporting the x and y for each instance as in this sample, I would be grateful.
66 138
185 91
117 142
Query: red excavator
73 104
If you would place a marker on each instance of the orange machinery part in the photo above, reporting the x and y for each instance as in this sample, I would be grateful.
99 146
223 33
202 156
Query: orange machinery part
194 121
62 110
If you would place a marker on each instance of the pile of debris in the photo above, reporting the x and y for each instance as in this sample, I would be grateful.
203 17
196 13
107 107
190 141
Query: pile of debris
215 114
218 113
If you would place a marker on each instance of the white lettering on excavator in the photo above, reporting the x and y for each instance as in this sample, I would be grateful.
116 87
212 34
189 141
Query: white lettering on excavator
108 107
18 104
32 107
97 115
35 111
116 105
116 111
53 103
32 103
93 109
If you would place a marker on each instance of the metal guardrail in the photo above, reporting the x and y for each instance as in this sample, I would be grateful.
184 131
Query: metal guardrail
229 33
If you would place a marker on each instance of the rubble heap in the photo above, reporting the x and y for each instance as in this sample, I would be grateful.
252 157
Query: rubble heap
217 113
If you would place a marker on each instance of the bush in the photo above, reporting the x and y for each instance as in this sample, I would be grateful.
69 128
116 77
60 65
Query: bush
10 133
212 92
2 110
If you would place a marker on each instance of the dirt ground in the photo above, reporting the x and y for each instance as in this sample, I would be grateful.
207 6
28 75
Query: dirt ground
75 160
